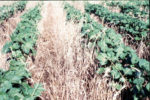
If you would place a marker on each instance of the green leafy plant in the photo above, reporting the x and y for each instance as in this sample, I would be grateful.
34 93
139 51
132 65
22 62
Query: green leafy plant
124 64
136 28
132 8
72 13
10 10
13 83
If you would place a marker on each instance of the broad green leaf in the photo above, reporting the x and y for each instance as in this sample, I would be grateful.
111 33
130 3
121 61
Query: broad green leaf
119 51
137 38
38 89
17 37
27 47
23 40
17 54
148 87
118 67
17 63
15 46
144 64
102 57
4 96
118 86
139 87
135 97
13 92
101 70
115 74
138 81
122 79
29 98
18 96
10 75
6 85
6 47
26 89
134 58
144 34
103 46
127 71
111 56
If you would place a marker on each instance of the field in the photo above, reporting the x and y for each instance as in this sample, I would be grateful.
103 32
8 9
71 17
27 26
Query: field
74 50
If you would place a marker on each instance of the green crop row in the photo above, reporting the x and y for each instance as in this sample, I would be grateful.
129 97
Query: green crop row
139 3
132 8
120 62
8 11
72 13
136 28
13 82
